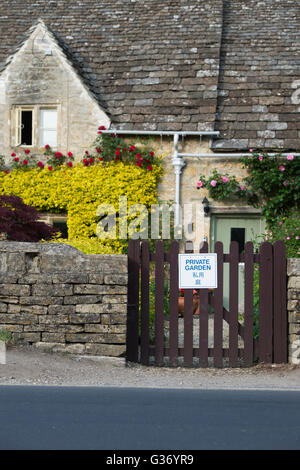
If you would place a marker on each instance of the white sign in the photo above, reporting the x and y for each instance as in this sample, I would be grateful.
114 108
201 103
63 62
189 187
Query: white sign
197 271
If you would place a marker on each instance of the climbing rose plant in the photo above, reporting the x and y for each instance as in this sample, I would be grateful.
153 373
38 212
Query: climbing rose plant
272 185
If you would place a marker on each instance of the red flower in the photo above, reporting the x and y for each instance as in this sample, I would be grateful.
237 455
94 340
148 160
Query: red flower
13 155
91 160
85 162
125 150
6 171
139 163
50 168
151 153
86 152
27 151
100 159
147 161
40 164
138 155
102 128
70 154
99 150
117 153
149 168
25 162
114 135
58 155
70 164
47 147
16 159
117 158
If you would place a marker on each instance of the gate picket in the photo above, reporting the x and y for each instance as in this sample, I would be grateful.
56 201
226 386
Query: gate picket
233 304
218 309
280 312
132 337
265 302
159 303
173 325
248 312
145 337
203 320
188 319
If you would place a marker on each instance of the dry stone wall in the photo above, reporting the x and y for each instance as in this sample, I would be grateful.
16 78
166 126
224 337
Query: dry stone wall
54 296
294 309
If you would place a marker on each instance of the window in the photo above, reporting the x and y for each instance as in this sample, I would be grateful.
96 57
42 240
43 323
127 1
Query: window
48 127
36 126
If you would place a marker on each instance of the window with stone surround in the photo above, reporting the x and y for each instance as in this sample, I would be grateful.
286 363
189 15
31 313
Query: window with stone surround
35 126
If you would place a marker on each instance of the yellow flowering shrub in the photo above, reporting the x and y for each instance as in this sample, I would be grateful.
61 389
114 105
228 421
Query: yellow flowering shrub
79 191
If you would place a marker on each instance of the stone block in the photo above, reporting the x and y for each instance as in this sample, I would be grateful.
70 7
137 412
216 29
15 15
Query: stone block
117 279
293 294
294 282
89 308
55 290
85 318
294 305
53 319
114 319
35 279
82 299
114 350
293 267
114 299
19 319
53 337
41 300
26 337
3 307
101 328
14 290
61 309
95 278
70 278
294 317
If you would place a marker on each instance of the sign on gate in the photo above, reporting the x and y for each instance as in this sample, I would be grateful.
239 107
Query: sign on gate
197 270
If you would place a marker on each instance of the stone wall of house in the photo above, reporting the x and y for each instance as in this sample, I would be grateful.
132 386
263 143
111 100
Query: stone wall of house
293 271
54 296
39 75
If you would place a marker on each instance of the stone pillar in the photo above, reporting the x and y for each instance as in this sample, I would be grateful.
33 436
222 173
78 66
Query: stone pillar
293 272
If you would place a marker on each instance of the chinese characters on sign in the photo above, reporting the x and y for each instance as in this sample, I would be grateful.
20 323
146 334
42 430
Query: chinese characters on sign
197 271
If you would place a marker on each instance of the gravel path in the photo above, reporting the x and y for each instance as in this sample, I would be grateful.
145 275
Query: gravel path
27 366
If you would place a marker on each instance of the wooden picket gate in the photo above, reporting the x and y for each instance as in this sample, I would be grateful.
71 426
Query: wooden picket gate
269 347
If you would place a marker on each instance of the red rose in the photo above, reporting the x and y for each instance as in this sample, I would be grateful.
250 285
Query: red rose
25 162
99 150
117 153
102 128
147 161
139 163
70 154
91 160
86 152
85 162
50 168
138 155
149 168
16 159
13 155
6 171
100 159
114 135
27 151
70 164
40 164
132 148
58 155
117 158
151 153
47 147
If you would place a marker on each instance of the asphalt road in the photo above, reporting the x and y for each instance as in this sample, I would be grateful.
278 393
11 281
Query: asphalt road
94 418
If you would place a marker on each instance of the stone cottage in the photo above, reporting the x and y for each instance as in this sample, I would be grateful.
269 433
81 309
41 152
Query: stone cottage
208 79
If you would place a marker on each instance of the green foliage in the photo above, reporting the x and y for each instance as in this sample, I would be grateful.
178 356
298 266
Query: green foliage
5 336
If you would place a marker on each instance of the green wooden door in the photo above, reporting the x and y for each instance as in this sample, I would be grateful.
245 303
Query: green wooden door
240 228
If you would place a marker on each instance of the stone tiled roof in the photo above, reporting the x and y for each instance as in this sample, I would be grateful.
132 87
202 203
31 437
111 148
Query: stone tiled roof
228 65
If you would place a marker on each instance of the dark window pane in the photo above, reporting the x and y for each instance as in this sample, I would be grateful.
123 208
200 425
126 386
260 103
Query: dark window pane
238 235
62 227
26 128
